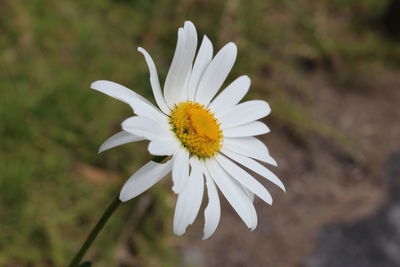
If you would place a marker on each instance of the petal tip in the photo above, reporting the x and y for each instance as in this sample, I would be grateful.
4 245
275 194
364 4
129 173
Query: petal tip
95 84
273 162
208 233
205 237
175 189
246 79
125 122
188 23
123 197
205 38
232 46
179 233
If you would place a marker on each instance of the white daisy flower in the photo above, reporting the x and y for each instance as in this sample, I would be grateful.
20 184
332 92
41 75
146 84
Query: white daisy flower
205 138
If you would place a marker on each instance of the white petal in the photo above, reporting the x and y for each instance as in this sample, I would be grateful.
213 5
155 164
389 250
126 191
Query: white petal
119 139
234 194
174 82
117 91
212 212
216 73
244 178
248 193
144 178
163 146
230 96
244 113
180 170
154 81
185 89
189 200
181 66
249 129
145 110
203 58
199 186
255 167
140 105
145 127
250 147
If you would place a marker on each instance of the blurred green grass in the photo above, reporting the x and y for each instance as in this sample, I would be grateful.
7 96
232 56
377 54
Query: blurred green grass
50 121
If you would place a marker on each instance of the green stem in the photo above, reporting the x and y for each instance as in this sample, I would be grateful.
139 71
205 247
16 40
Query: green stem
100 224
93 234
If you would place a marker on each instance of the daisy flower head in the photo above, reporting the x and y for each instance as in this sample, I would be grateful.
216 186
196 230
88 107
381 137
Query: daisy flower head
204 136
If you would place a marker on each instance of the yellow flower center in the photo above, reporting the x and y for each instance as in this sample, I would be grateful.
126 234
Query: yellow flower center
196 128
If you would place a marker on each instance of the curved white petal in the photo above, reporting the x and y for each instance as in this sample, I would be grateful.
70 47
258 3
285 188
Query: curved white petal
212 212
234 194
163 146
144 178
250 147
117 91
216 73
140 105
118 139
145 127
244 179
180 170
230 96
255 167
203 58
249 129
189 200
146 110
199 186
154 81
181 66
173 81
244 113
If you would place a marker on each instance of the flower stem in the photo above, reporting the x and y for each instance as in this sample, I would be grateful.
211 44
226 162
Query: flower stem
93 234
100 224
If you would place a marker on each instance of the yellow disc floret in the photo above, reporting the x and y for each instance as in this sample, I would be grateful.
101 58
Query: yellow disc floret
196 128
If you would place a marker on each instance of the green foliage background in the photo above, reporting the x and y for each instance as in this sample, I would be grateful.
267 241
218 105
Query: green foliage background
50 52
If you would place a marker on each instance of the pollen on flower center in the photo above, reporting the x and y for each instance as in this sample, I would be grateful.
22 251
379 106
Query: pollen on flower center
196 128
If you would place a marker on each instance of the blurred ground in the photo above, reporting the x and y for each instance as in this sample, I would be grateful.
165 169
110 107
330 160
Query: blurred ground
329 69
370 241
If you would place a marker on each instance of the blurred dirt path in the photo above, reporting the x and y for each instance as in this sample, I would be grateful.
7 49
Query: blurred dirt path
370 242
